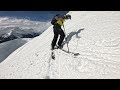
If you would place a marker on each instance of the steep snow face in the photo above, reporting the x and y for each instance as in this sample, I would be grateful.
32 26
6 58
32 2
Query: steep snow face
93 34
7 48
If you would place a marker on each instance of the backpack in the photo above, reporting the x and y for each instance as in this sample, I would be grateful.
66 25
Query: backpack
54 20
57 16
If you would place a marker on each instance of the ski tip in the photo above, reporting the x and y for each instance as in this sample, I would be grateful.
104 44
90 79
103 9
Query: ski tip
53 57
76 54
47 77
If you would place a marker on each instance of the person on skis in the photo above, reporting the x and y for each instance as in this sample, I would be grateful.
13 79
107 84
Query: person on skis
57 22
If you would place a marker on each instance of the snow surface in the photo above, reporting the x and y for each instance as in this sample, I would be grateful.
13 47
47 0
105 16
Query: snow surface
7 48
98 45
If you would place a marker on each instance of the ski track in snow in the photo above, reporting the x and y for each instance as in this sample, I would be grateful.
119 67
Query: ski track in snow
98 45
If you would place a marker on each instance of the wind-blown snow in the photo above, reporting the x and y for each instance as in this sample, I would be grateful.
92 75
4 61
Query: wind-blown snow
98 45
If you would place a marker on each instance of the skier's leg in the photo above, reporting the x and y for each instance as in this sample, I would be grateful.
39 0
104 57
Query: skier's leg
54 39
62 36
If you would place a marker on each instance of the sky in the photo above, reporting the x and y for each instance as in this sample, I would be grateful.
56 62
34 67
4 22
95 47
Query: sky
32 15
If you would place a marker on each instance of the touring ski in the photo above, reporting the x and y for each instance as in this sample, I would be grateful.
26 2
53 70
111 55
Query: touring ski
75 54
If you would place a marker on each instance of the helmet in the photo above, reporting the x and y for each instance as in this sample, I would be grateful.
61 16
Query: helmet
67 16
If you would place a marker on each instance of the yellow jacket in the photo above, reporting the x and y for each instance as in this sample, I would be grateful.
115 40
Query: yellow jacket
60 21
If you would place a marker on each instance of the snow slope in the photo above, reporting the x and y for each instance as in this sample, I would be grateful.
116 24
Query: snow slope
7 48
98 45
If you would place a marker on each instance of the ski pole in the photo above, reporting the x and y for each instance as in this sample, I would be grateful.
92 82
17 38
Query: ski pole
66 38
64 29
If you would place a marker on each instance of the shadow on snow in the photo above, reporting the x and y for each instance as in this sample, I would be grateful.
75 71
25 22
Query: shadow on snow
71 34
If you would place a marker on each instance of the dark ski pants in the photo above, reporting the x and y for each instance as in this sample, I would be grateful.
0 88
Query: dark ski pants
57 32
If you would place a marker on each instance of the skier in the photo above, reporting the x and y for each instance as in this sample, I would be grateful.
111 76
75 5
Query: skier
57 22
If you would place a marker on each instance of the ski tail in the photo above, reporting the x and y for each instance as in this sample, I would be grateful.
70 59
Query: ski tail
75 54
53 55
